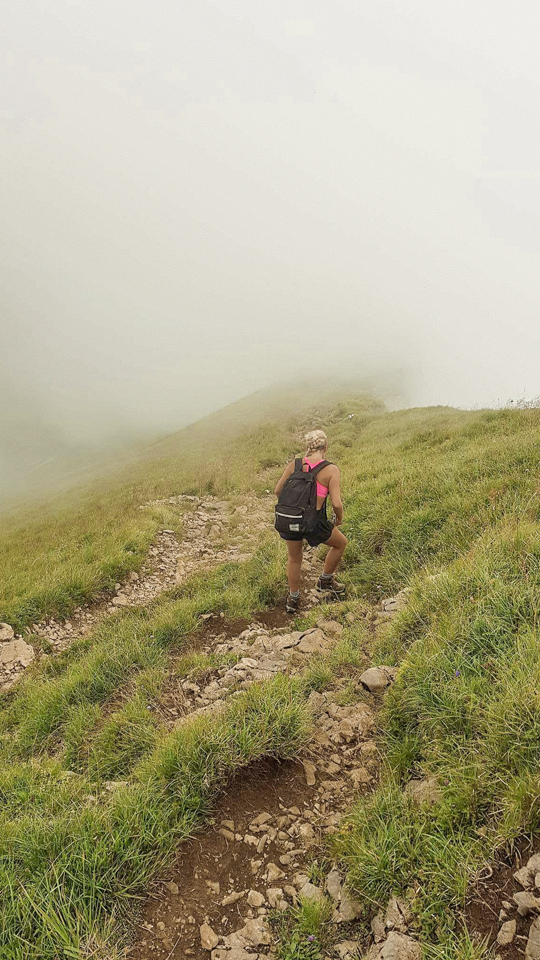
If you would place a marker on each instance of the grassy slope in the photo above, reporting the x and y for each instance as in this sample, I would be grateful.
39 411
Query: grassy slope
64 551
445 500
451 505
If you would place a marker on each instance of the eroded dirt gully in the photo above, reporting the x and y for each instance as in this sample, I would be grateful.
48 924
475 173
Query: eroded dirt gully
264 849
214 531
503 906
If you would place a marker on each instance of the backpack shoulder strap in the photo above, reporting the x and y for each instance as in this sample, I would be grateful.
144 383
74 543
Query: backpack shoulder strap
298 464
320 466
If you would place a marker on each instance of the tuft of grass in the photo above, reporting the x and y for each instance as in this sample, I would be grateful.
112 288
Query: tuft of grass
303 932
79 873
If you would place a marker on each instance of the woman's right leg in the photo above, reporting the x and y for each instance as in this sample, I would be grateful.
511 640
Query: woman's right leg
337 543
294 564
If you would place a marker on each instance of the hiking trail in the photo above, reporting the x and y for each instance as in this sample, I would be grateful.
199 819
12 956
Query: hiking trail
214 532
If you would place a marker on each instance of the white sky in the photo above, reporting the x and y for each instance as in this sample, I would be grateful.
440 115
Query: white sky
201 197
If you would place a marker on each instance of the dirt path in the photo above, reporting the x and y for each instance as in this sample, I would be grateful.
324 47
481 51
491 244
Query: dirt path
265 847
214 531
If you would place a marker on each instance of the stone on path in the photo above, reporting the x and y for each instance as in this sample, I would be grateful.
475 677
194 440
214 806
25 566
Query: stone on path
333 884
253 933
209 939
526 902
313 642
310 892
377 679
396 947
507 933
255 899
6 632
532 950
347 950
348 910
172 887
330 626
310 770
398 915
16 651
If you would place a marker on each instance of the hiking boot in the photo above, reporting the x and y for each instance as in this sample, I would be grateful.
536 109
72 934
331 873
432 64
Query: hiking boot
292 604
334 587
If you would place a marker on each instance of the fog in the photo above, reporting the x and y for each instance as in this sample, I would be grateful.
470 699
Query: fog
199 198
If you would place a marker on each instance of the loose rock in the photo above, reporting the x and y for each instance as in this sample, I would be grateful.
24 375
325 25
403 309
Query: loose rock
532 950
507 933
209 940
526 903
377 679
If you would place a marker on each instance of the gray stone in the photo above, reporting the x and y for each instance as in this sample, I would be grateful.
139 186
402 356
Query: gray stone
330 626
6 632
524 877
333 884
172 887
398 915
526 903
120 600
253 933
347 949
532 950
398 947
533 863
273 873
310 771
209 939
507 933
310 892
228 834
276 898
377 679
288 640
306 833
255 899
16 651
398 603
378 927
313 642
232 898
348 910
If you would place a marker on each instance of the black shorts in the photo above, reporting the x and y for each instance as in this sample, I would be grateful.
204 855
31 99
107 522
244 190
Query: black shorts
322 532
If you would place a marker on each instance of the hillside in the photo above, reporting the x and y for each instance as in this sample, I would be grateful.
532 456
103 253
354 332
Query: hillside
121 740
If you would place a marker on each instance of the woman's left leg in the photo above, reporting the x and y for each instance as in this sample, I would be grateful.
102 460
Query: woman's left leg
294 564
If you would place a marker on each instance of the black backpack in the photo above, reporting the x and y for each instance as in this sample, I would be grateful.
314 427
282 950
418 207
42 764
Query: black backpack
296 509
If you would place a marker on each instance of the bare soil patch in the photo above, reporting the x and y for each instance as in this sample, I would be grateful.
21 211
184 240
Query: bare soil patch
491 901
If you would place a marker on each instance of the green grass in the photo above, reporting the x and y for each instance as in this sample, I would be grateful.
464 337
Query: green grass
76 850
63 552
442 500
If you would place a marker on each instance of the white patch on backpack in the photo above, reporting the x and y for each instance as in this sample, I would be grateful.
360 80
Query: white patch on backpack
294 527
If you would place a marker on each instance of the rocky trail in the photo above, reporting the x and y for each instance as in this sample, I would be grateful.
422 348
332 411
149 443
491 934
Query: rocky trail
214 531
266 849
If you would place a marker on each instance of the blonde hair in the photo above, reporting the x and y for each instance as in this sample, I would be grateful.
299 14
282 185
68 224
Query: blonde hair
315 440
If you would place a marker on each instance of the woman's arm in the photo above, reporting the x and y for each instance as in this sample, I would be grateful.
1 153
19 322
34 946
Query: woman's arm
288 472
335 494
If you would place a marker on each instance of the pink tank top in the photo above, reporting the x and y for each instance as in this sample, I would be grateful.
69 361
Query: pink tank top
321 491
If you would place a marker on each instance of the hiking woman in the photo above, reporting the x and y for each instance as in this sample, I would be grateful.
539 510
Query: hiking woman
328 483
